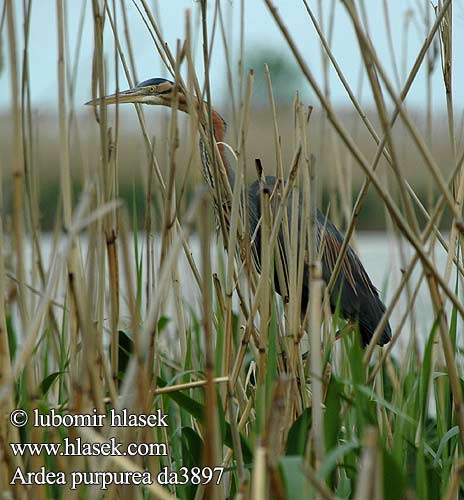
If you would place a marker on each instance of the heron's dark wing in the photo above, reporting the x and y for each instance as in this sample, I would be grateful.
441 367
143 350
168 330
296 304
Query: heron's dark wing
254 216
359 299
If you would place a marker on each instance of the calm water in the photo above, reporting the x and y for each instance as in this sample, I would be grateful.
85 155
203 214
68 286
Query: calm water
379 252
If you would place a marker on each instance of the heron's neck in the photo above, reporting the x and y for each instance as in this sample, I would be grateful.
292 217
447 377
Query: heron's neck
219 129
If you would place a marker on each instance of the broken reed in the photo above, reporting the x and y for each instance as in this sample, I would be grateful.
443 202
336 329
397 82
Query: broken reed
279 422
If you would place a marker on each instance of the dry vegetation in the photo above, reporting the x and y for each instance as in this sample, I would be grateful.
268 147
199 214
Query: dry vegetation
85 154
103 322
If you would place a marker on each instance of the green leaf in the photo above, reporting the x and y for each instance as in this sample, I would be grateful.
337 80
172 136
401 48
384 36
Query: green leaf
394 481
367 391
358 372
454 315
12 344
298 434
295 480
163 323
454 431
197 411
125 349
271 365
194 408
192 446
48 381
335 456
332 422
192 449
425 372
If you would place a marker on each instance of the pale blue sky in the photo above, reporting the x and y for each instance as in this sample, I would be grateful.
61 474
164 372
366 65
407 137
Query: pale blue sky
260 31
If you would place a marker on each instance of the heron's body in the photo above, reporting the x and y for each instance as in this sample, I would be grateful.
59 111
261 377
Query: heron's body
356 296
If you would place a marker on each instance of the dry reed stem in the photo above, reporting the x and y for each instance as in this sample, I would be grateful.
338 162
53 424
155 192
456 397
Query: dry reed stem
294 247
272 244
259 490
435 277
128 40
322 490
133 369
380 142
308 233
274 435
211 140
125 464
315 297
385 196
139 111
391 49
408 122
99 378
8 432
366 54
367 479
264 308
110 191
31 334
388 348
153 159
171 211
407 272
278 150
18 165
31 173
243 476
457 473
211 453
448 351
236 230
446 58
230 79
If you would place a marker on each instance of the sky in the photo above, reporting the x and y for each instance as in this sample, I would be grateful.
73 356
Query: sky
261 33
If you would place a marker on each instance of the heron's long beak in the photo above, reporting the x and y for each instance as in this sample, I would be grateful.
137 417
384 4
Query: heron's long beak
130 95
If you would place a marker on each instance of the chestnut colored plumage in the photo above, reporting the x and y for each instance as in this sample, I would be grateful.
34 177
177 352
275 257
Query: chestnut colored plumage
358 298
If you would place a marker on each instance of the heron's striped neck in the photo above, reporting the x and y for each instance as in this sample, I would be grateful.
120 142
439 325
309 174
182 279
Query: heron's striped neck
219 130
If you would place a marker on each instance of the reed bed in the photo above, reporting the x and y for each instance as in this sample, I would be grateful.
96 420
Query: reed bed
260 401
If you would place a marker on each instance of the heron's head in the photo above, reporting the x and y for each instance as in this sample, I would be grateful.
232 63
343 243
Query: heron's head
156 91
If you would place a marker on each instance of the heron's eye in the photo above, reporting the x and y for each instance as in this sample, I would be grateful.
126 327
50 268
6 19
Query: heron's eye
152 89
